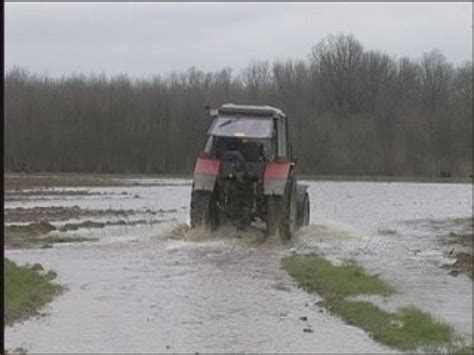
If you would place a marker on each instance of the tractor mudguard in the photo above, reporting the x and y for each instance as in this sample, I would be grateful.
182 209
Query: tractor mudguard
205 173
303 207
300 193
301 190
275 177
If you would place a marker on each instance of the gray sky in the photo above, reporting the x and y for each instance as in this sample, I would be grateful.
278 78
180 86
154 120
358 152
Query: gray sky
155 38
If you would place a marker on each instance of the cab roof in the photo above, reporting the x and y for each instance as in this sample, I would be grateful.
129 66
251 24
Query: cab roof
250 110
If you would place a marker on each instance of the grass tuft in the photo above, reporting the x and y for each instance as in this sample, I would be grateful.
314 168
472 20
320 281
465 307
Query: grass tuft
27 289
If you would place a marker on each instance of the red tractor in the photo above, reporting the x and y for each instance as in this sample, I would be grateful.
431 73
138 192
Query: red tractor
247 173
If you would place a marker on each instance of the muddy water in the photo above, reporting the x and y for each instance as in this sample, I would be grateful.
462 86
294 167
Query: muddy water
151 288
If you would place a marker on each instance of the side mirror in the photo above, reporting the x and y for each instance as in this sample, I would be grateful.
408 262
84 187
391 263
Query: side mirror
213 112
293 156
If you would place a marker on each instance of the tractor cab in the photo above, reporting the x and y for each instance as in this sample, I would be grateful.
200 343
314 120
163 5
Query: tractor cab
257 130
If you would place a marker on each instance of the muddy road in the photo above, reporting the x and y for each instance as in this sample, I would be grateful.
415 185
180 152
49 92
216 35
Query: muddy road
157 287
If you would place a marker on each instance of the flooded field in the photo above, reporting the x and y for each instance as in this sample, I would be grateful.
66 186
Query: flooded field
155 286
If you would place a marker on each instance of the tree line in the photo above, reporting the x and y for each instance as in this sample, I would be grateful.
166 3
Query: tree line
352 111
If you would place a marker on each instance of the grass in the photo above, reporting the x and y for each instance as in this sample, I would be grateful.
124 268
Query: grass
27 289
407 329
317 274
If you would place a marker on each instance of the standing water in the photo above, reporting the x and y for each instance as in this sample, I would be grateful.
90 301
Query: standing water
159 288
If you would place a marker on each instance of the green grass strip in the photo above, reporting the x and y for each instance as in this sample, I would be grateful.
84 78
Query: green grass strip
314 273
26 291
407 329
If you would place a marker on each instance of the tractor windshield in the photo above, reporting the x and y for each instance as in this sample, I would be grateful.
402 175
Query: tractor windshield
242 127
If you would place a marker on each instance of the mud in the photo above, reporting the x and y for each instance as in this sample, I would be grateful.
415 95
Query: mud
36 235
464 262
455 239
29 230
461 240
19 182
44 227
25 194
57 213
92 224
164 288
460 248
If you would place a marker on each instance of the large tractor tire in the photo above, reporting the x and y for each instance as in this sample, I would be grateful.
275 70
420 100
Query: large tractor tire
203 210
282 212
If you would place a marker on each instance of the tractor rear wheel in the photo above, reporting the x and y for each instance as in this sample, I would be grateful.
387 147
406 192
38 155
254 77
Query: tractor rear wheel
203 210
282 213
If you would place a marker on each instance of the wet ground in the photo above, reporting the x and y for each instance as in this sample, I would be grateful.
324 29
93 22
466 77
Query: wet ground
158 287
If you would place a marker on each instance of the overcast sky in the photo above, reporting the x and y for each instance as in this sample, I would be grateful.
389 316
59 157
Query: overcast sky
155 38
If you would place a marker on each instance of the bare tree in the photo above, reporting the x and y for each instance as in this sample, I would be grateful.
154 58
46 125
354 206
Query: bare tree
351 112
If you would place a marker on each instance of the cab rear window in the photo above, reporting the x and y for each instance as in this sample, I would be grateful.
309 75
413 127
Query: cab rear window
244 127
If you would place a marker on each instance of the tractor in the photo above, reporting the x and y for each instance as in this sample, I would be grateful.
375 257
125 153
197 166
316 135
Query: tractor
246 173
